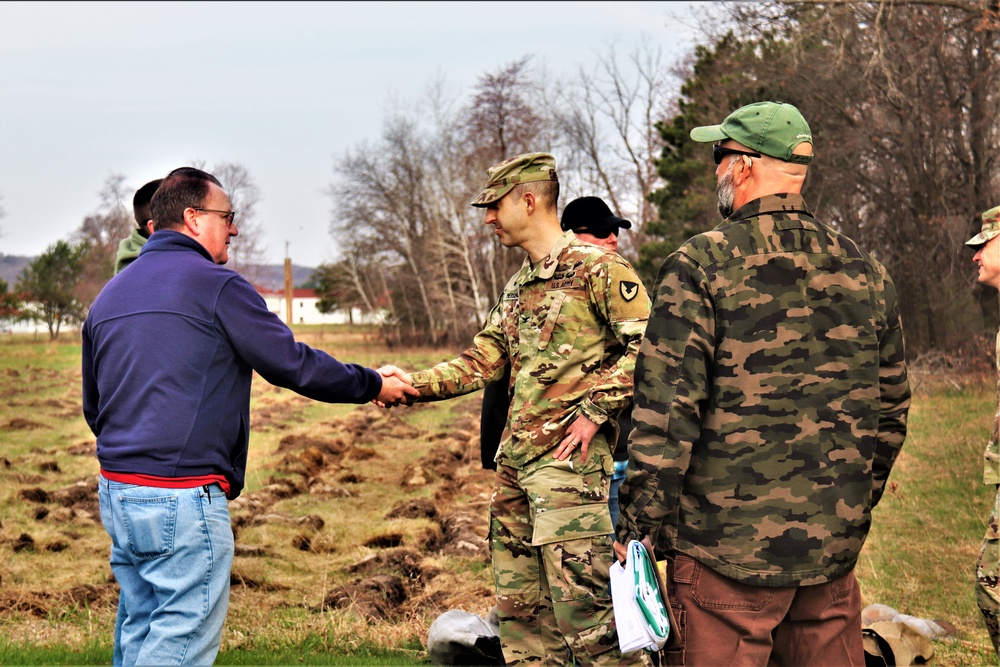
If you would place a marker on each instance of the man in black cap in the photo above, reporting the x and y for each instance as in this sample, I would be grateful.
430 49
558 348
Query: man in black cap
593 222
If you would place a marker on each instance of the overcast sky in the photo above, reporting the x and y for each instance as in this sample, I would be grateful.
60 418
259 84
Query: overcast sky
90 89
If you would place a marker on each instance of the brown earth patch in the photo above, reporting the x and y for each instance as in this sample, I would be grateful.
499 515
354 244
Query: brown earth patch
309 521
35 495
418 508
21 424
24 542
402 560
238 578
465 535
82 493
374 598
385 541
251 551
298 441
88 447
362 454
25 602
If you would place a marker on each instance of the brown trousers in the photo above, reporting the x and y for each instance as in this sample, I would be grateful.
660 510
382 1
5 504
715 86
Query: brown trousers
724 622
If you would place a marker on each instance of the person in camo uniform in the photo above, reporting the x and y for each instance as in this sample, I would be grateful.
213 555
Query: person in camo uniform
569 325
770 403
987 258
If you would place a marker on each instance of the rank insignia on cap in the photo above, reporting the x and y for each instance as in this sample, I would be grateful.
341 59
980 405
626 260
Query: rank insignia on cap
629 289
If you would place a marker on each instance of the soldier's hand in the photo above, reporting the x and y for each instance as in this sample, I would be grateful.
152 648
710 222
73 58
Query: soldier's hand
397 387
579 434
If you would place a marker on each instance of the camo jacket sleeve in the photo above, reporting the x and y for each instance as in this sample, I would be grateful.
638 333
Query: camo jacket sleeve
482 363
671 373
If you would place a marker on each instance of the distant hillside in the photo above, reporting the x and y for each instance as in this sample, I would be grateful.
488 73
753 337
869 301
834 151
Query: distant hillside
12 265
275 275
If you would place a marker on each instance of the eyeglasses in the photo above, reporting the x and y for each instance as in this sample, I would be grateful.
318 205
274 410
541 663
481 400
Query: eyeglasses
600 234
719 152
228 216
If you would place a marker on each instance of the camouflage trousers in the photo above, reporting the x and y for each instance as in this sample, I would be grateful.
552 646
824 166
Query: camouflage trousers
987 572
550 540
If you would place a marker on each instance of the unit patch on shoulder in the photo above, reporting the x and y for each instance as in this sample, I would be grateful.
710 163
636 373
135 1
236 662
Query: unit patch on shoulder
628 289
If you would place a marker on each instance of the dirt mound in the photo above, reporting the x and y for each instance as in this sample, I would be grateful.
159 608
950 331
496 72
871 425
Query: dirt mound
374 598
86 448
465 534
21 424
419 508
238 578
35 495
295 442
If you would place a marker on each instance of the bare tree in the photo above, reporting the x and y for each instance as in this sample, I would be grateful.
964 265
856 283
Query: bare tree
504 118
607 120
99 235
248 252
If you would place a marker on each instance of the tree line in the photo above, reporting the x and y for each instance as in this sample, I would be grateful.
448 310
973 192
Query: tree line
902 98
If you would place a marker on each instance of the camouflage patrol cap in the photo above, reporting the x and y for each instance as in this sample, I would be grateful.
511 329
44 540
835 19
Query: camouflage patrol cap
526 168
771 128
991 227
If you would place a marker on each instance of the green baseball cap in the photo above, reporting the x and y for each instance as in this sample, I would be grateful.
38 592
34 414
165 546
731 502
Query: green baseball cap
526 168
771 128
991 227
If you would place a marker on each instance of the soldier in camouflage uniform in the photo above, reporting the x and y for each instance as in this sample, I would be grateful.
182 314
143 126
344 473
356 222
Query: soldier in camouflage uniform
569 325
770 404
987 257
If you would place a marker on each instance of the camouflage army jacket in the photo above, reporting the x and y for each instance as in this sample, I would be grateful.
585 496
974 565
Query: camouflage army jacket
770 399
570 328
991 470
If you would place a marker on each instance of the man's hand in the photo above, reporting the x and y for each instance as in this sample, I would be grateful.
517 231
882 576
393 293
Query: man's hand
397 387
621 551
580 432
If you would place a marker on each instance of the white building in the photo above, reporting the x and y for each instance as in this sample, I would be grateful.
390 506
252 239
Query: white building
304 310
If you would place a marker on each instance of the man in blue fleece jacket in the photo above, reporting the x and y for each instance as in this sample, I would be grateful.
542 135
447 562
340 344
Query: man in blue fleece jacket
169 350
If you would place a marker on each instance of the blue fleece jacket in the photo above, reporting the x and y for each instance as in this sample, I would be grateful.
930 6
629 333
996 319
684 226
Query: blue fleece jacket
169 349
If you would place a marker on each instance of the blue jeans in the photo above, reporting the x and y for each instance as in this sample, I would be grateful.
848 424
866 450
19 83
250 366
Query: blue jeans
616 482
171 552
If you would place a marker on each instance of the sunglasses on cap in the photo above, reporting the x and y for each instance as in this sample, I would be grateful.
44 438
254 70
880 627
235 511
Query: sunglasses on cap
599 233
719 152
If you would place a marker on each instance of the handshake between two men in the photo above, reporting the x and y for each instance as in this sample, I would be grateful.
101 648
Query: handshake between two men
397 388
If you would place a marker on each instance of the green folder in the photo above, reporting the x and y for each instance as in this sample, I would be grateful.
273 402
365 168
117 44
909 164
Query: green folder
647 591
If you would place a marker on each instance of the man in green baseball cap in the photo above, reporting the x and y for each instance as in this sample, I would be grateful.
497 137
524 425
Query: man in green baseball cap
771 128
773 133
987 258
567 326
771 398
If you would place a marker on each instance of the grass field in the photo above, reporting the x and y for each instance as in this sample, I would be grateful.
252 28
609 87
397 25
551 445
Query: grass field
359 526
